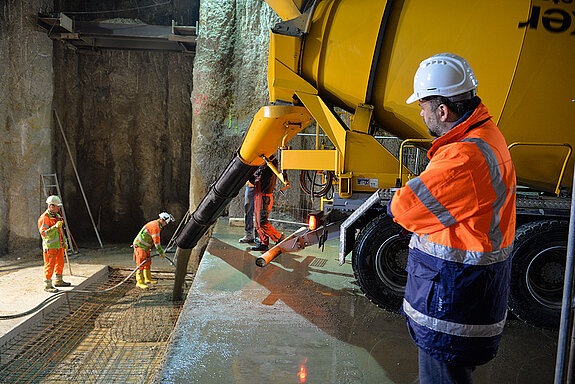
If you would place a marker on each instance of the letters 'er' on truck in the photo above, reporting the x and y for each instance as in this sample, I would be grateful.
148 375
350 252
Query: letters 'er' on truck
360 56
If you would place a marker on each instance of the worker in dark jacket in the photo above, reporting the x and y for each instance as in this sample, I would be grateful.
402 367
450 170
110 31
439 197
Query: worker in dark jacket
461 211
264 181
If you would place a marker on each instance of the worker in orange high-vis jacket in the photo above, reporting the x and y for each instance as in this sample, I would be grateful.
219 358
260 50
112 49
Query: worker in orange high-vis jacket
54 242
461 212
149 236
264 181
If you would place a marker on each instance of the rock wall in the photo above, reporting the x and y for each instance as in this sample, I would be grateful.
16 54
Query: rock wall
229 83
125 114
127 118
25 103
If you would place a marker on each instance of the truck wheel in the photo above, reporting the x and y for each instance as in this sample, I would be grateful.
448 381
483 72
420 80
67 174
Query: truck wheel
537 272
379 259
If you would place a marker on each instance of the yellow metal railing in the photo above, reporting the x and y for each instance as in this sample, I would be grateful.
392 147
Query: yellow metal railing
404 144
567 157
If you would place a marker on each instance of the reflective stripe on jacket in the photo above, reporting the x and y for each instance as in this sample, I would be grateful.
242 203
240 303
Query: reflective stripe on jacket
149 235
49 233
461 211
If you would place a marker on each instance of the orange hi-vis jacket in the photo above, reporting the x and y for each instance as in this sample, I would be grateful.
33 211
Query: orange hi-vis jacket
52 237
461 211
149 236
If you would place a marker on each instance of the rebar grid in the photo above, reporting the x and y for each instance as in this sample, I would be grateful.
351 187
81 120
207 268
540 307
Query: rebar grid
114 337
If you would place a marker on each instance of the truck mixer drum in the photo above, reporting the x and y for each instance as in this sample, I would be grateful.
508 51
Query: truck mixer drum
360 57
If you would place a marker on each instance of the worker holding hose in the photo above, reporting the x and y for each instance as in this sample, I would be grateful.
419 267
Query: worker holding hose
461 211
149 236
54 242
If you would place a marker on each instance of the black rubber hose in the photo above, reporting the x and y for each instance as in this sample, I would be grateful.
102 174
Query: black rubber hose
210 208
53 297
213 204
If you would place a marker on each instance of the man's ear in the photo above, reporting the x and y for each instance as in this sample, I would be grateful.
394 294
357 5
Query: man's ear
443 113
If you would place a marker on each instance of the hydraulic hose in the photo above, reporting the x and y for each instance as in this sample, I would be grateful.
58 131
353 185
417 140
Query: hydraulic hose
55 296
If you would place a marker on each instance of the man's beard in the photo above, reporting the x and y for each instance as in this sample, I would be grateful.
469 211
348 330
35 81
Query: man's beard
433 126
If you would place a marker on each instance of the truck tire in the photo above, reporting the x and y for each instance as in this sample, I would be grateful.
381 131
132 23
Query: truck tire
537 272
379 259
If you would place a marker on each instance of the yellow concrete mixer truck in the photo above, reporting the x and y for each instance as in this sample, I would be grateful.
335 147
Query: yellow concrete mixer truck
360 56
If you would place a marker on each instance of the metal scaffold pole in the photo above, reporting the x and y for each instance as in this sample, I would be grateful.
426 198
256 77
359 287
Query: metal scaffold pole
565 345
78 178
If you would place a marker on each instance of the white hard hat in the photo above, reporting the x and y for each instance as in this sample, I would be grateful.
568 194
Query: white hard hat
444 74
166 217
54 200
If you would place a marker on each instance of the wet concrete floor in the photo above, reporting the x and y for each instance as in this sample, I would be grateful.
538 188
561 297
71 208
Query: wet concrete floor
302 319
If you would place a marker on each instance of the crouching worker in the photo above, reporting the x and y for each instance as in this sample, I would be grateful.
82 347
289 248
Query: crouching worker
50 225
149 235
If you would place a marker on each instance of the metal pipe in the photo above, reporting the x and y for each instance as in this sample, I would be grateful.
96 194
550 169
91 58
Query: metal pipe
563 371
78 178
264 259
563 167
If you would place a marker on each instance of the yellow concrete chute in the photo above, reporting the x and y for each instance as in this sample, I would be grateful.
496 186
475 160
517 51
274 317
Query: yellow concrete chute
270 128
286 9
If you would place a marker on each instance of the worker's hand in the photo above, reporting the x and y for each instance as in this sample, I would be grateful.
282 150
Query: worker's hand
162 254
404 233
59 224
65 245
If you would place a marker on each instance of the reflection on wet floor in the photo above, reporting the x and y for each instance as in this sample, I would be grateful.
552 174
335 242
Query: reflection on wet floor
303 319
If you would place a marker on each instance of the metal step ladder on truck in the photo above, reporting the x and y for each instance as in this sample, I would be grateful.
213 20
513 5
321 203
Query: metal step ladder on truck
360 56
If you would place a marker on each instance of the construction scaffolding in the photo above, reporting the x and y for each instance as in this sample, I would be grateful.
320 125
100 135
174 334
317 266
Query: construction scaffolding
115 337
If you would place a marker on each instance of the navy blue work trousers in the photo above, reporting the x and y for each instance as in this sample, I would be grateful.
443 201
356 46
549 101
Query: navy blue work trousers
433 371
249 210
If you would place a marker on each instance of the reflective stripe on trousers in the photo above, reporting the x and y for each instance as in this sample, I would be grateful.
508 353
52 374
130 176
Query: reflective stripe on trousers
451 328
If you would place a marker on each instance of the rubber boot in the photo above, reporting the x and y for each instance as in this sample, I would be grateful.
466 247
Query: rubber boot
140 280
61 283
148 277
48 287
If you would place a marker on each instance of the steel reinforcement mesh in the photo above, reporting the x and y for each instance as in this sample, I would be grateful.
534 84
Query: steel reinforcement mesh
115 337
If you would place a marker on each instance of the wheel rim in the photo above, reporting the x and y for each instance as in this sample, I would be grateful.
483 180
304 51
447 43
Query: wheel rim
545 274
390 262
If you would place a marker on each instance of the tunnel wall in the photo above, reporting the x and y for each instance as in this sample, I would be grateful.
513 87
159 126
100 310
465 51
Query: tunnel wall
25 102
129 133
127 117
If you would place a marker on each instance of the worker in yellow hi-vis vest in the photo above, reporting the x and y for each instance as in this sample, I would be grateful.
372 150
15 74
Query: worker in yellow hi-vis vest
149 236
54 242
